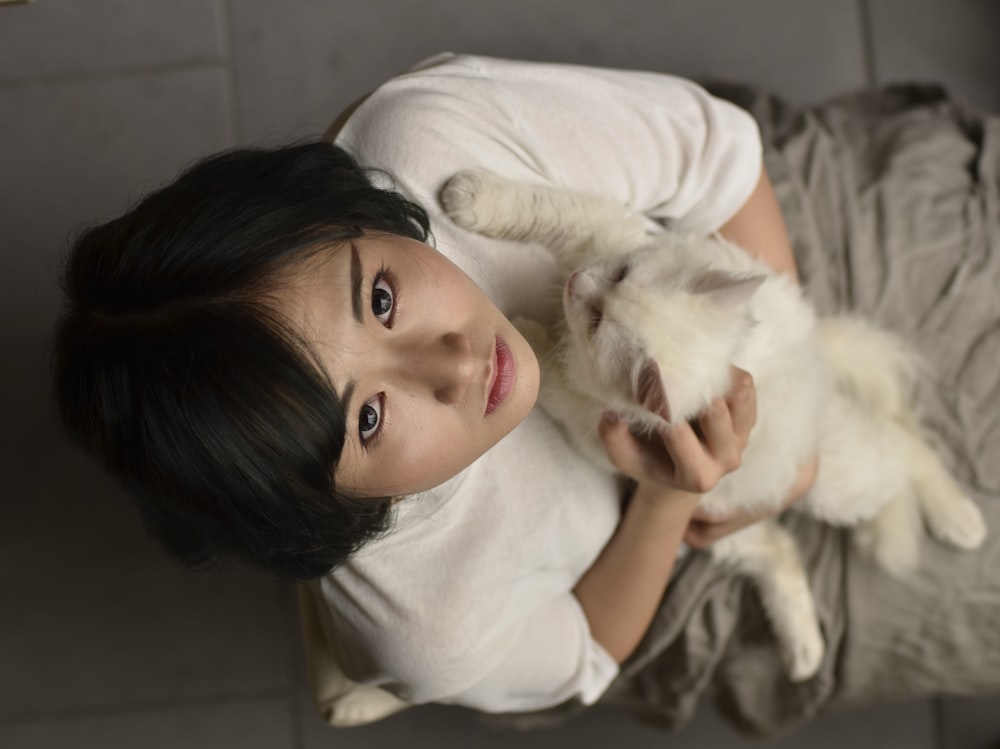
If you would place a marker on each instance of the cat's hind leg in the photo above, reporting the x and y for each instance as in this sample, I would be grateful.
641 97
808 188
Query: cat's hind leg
768 555
577 227
892 537
950 516
928 494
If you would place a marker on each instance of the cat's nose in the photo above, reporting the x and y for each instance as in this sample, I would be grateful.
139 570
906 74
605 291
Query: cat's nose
581 286
584 291
573 283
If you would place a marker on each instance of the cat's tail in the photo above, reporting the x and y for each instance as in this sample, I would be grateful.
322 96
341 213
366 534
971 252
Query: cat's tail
872 367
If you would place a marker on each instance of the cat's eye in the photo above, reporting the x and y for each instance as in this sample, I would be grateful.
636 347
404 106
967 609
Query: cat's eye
619 275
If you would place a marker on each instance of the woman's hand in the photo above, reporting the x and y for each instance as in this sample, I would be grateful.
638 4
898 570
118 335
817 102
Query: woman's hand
705 529
686 457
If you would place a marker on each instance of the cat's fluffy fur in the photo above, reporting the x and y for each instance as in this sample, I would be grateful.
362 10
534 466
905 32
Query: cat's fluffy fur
653 325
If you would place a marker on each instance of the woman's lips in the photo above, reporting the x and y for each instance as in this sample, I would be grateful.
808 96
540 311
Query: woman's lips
504 372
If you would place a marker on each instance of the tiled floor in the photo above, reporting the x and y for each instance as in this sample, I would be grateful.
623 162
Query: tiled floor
102 642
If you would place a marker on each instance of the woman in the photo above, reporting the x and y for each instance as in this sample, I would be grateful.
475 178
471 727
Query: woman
323 362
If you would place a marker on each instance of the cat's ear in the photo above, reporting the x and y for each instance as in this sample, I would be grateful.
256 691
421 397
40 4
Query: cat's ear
650 392
725 289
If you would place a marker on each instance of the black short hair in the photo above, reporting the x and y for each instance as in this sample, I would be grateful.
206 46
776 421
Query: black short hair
214 415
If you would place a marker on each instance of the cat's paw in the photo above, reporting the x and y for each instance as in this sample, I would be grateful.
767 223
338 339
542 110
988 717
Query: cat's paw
959 522
466 199
802 653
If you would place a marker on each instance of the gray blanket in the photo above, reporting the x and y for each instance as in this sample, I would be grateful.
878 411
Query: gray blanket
892 199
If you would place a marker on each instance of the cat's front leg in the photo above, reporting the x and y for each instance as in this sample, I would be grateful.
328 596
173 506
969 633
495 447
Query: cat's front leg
577 227
487 204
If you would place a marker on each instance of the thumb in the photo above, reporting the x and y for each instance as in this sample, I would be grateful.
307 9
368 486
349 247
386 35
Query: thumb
619 444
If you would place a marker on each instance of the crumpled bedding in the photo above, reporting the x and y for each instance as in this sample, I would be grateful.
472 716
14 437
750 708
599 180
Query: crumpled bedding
892 200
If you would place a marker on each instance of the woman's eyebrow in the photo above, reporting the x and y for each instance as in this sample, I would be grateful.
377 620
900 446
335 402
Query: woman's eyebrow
345 398
356 284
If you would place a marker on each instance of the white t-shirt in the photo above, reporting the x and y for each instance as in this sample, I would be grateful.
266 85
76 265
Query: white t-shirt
469 600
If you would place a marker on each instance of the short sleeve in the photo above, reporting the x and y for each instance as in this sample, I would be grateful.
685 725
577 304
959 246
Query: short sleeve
551 658
660 144
486 656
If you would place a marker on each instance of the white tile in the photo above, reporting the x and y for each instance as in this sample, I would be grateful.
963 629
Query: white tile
249 724
299 62
953 42
70 37
96 617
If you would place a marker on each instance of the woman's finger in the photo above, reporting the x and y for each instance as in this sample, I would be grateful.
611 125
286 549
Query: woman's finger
742 401
721 441
621 447
694 469
644 459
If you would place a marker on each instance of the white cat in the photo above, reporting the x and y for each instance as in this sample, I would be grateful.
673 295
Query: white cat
653 324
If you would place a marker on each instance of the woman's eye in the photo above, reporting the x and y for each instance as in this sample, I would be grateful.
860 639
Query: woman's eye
370 418
382 300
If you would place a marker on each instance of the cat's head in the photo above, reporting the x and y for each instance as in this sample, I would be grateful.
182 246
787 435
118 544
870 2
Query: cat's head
655 331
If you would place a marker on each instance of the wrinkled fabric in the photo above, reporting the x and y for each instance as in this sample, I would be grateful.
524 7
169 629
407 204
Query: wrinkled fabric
891 201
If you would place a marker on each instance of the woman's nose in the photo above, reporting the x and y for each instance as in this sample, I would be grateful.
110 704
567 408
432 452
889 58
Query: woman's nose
446 367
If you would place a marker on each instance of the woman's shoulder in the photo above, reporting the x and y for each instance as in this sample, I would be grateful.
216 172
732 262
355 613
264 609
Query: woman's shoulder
531 502
431 601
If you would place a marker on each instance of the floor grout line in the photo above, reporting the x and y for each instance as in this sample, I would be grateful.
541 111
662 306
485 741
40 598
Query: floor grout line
867 42
128 71
232 84
287 596
939 722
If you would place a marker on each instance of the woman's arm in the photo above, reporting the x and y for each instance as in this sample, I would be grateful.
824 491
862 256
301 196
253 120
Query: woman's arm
705 529
622 589
759 228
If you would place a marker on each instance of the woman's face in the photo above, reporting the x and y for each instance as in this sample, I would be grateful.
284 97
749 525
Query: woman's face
430 373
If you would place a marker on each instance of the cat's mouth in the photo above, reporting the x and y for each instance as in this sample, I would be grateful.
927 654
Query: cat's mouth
594 317
584 321
581 308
